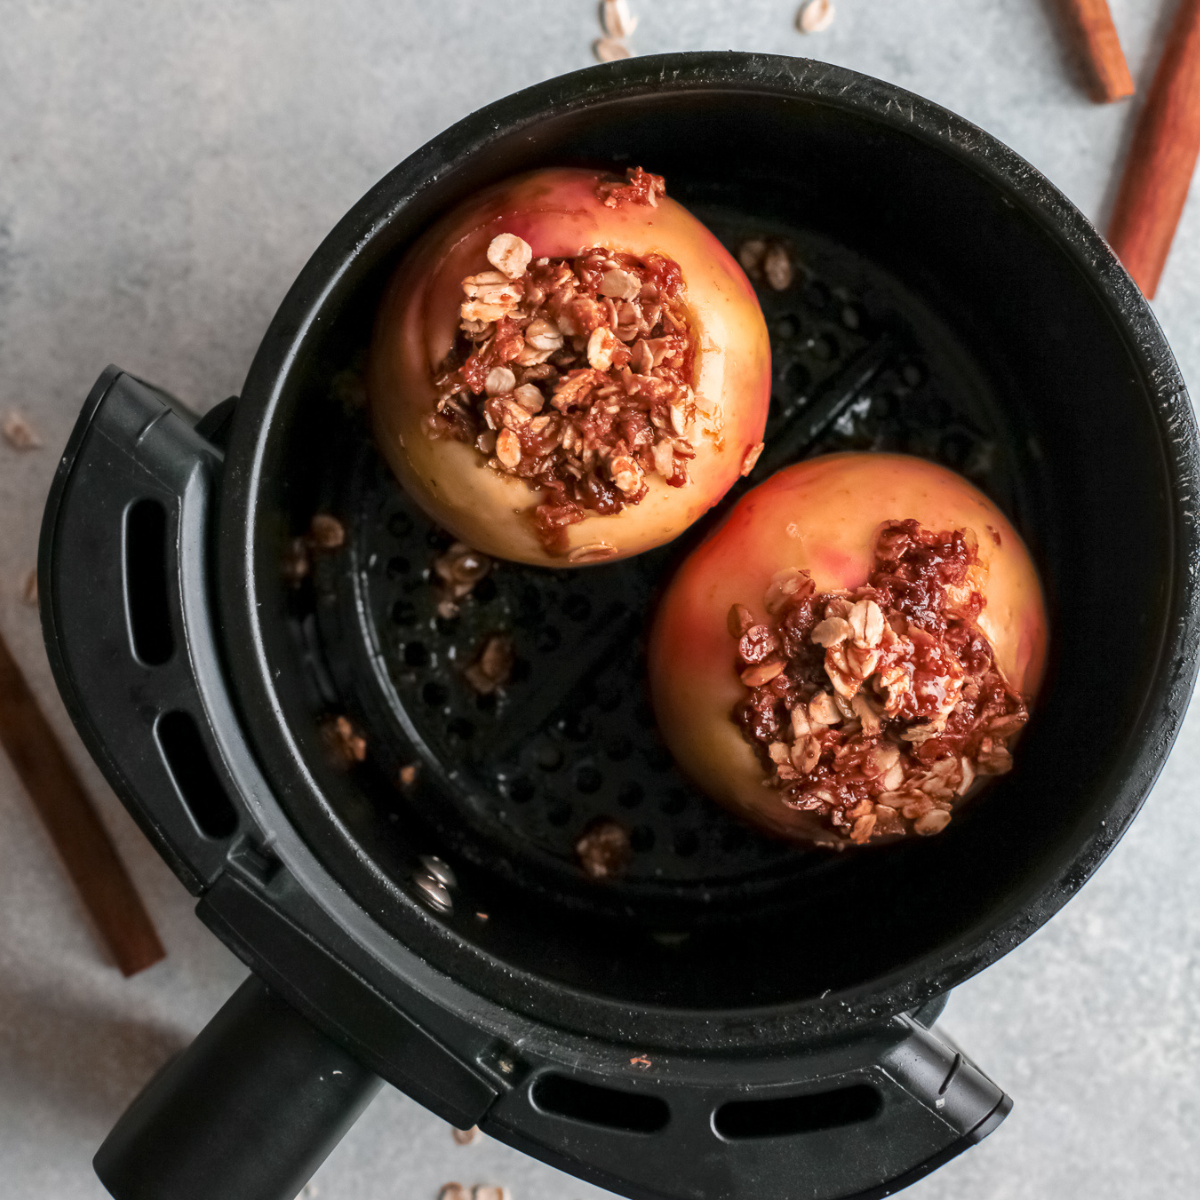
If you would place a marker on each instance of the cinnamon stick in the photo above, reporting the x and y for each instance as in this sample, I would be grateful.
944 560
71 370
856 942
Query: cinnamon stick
1095 36
66 810
1163 156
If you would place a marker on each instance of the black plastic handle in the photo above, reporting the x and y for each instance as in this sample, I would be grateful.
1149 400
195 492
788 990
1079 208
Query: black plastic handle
247 1112
866 1119
124 552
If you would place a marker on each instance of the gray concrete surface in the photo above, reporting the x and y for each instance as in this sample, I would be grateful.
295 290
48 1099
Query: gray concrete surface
165 169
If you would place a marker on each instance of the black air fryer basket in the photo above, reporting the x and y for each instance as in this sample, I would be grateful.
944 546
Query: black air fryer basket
731 1017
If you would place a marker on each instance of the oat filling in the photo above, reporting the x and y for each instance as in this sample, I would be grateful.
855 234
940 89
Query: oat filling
877 709
575 374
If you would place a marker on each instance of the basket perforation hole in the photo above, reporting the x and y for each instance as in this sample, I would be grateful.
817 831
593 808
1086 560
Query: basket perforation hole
577 607
549 757
520 790
400 525
631 794
618 747
686 842
588 780
461 728
641 839
674 802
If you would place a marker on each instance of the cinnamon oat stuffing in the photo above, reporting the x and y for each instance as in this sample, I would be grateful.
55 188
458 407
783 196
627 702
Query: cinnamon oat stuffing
877 709
575 374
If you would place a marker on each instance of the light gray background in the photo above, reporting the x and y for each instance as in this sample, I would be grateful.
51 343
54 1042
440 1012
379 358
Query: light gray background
166 167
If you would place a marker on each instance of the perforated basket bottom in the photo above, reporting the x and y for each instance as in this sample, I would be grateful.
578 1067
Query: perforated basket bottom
511 780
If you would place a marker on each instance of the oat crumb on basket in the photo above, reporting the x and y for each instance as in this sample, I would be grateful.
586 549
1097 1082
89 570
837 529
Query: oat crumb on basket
346 744
603 849
490 1191
456 572
877 709
326 532
768 261
492 665
815 16
18 432
408 775
616 18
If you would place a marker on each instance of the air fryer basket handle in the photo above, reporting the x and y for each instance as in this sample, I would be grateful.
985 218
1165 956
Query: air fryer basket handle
124 552
247 1112
872 1118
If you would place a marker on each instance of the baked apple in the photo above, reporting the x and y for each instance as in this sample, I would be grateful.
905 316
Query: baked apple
569 368
851 650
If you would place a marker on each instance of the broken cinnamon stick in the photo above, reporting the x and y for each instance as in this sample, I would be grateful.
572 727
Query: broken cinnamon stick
66 810
1095 36
1162 158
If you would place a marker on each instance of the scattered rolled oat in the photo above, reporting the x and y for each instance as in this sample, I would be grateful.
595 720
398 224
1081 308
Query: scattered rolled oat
18 432
751 459
296 564
29 588
876 709
603 848
573 374
815 16
492 665
777 267
767 260
408 775
464 1137
616 18
750 255
490 1191
326 532
453 1191
456 573
593 552
609 50
509 254
344 741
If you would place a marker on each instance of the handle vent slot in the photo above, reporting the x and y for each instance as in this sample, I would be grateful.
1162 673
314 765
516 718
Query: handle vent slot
191 767
592 1104
146 582
788 1116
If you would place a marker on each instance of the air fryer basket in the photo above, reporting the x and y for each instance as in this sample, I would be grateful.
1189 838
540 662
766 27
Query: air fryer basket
949 303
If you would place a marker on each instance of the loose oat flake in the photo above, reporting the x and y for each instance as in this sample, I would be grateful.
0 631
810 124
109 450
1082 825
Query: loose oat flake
18 432
609 50
574 374
346 744
603 848
616 18
464 1137
815 16
877 709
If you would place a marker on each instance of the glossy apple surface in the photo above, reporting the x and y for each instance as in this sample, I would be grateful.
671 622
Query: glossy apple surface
821 516
559 214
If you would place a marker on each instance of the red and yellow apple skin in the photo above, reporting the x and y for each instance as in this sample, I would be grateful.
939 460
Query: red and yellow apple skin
559 214
821 516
